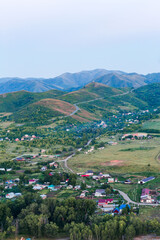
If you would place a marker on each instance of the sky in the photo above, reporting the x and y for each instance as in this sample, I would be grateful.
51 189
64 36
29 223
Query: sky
45 38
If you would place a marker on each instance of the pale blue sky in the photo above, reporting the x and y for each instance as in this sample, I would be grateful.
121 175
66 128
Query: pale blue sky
44 38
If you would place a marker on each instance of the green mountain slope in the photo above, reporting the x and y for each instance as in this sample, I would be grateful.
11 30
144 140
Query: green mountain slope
95 101
150 94
90 92
11 102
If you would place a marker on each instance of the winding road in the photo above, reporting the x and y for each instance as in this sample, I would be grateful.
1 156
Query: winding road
65 162
77 108
72 155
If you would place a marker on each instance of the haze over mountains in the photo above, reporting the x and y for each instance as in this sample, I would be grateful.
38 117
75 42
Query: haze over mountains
73 81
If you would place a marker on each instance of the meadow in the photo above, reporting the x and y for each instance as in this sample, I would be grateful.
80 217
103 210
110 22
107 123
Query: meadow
125 157
153 124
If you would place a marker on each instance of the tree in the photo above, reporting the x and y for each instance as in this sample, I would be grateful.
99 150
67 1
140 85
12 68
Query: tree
51 229
130 232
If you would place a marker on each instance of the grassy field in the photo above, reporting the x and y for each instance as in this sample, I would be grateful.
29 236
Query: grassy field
125 157
149 212
154 124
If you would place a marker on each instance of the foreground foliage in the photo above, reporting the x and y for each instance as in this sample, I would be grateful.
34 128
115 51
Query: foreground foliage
30 215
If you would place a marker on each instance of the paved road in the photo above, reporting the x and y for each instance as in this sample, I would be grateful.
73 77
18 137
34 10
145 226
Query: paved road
125 196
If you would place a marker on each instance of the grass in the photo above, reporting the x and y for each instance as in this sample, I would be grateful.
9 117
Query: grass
153 124
5 124
149 212
67 193
117 159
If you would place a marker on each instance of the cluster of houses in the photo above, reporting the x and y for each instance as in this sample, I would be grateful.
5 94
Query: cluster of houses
90 173
52 164
90 150
148 196
102 124
109 205
133 136
25 158
26 137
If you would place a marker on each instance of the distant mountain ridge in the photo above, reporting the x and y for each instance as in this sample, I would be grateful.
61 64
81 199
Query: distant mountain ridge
74 81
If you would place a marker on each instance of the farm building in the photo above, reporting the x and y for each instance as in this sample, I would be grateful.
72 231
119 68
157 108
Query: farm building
145 180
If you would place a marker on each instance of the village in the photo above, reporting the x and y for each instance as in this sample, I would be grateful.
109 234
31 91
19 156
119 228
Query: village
100 187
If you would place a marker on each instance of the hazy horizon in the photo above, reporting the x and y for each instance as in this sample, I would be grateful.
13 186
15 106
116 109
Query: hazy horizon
44 38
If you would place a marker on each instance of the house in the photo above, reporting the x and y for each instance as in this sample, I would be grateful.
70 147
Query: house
51 187
106 176
145 180
146 196
69 187
116 211
110 180
9 169
104 202
82 195
37 187
67 180
77 187
10 195
18 194
58 187
19 159
43 196
44 168
2 169
32 181
51 164
100 193
89 172
128 182
95 177
9 182
108 209
100 176
55 165
85 175
120 209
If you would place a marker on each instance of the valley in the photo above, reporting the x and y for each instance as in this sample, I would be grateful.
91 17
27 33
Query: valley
57 145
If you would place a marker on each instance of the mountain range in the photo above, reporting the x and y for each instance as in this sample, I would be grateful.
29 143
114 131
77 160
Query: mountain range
75 81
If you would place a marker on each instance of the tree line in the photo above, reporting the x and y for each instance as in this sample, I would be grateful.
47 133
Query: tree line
76 218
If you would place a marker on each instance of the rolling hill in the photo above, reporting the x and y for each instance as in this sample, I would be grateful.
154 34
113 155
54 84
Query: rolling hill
95 101
11 102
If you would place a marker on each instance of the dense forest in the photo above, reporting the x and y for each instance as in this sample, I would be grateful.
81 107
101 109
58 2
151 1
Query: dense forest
32 216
